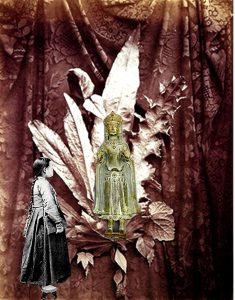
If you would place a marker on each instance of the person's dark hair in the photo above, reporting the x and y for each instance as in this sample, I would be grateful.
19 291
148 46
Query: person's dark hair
39 164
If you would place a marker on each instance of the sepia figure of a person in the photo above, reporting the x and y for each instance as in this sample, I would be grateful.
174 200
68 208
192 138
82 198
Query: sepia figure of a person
45 259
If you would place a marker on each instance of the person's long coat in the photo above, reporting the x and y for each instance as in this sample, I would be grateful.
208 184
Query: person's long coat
45 255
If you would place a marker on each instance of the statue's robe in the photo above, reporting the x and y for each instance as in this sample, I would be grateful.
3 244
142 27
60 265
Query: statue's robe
115 188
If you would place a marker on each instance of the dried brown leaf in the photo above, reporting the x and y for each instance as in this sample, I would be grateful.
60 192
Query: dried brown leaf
75 147
122 244
161 231
162 88
89 242
90 220
72 249
87 270
71 230
71 214
157 120
85 258
123 81
120 260
84 81
118 277
157 124
133 226
94 224
150 256
82 229
121 288
96 106
89 235
97 134
162 226
159 210
104 249
145 246
151 102
121 291
143 146
79 142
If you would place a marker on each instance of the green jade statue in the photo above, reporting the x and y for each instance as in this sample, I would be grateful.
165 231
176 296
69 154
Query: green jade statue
115 186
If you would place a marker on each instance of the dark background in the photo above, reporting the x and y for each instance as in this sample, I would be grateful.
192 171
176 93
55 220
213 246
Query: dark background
39 42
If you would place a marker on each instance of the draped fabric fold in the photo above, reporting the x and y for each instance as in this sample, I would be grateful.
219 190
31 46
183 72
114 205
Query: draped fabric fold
39 42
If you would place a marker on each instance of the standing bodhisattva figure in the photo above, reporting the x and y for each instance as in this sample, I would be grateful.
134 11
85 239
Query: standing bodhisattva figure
115 187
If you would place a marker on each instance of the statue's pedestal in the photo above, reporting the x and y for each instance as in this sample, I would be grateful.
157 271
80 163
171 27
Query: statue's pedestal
115 235
115 231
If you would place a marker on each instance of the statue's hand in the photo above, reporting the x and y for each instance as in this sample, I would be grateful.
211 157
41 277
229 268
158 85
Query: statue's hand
100 159
126 152
100 155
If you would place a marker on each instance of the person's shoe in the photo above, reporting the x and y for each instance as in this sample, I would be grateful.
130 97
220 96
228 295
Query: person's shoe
44 296
49 289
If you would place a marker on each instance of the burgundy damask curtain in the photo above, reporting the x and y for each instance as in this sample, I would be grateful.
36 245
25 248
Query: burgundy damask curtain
39 42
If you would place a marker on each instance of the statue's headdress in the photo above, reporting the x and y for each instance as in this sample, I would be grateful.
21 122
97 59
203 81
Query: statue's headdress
113 118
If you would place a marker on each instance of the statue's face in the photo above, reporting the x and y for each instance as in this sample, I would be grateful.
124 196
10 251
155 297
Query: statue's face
112 128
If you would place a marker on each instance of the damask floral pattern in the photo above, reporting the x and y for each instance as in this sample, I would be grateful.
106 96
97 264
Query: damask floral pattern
39 42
